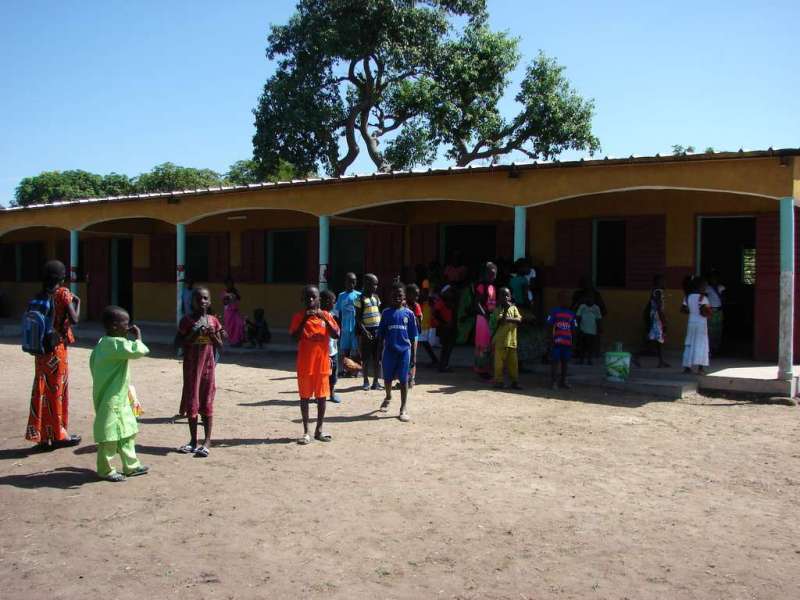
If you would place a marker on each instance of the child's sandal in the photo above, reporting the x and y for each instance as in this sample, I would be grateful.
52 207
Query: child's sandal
201 452
115 477
323 437
306 439
140 470
187 449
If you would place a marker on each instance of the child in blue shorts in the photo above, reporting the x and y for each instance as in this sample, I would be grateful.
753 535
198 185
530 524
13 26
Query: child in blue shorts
397 331
346 314
563 323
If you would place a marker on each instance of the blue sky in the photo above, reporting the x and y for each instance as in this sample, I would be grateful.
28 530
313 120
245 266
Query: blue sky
122 86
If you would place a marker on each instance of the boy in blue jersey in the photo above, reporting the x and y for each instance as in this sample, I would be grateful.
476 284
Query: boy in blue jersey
563 323
397 331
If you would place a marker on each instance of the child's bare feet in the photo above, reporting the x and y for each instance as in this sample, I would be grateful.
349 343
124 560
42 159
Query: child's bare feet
385 404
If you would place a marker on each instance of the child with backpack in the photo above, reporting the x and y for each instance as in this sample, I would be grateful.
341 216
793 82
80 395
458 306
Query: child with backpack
47 330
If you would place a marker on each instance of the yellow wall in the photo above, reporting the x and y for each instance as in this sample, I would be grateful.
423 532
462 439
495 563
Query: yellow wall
17 295
547 183
156 301
624 322
681 209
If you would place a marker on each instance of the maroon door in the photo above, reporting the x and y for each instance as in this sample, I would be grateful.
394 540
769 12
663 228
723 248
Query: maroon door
767 283
98 276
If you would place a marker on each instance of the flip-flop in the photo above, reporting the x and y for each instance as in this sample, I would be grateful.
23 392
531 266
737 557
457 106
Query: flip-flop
323 437
115 478
201 452
187 449
140 470
365 387
306 439
376 386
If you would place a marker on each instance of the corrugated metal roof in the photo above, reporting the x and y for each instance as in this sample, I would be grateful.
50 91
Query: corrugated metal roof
605 161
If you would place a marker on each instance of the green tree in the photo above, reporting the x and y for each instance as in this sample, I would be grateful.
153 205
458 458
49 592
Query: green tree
677 149
116 184
168 177
55 186
402 79
244 172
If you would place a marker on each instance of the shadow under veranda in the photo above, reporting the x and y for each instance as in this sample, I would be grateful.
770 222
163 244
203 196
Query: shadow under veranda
63 478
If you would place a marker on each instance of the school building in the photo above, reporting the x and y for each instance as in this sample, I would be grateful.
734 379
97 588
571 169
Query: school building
619 220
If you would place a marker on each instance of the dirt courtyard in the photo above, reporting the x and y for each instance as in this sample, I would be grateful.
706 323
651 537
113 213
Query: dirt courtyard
486 494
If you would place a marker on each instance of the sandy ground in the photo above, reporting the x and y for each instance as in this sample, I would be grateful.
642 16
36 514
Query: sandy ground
577 494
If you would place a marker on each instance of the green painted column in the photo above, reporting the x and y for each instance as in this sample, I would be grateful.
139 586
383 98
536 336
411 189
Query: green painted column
520 229
324 250
786 292
73 261
180 267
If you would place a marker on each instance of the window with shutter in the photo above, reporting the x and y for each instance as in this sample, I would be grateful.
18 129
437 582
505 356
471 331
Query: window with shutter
645 255
573 252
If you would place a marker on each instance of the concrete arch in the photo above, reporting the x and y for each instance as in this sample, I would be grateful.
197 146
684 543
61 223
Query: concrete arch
88 224
651 187
383 203
22 227
227 210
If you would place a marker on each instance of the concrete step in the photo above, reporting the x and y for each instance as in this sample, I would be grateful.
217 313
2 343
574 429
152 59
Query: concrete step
748 385
661 387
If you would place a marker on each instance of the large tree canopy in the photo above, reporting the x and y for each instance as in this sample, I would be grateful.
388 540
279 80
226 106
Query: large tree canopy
403 79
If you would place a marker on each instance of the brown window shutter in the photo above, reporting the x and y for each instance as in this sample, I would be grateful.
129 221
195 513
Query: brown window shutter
573 252
218 257
252 269
645 251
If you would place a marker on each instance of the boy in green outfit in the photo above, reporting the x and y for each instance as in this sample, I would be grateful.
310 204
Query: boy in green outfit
115 426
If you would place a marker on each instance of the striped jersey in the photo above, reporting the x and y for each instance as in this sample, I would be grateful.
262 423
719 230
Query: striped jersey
371 313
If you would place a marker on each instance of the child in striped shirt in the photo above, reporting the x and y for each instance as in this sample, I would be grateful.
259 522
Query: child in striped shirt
368 317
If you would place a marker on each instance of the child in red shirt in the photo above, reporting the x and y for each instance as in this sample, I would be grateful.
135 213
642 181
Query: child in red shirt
412 295
444 320
313 328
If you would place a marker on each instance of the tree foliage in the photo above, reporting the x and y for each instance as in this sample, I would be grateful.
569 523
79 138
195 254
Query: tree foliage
403 80
54 186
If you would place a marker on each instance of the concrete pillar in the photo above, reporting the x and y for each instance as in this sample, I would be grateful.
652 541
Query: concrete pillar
520 231
73 261
180 267
786 304
324 250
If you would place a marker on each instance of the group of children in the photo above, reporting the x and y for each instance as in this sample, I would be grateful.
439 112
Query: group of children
349 327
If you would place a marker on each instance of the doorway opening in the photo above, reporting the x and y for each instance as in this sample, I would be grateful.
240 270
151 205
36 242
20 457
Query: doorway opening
475 243
727 245
348 246
122 273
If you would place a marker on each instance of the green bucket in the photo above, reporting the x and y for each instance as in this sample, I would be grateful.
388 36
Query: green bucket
618 366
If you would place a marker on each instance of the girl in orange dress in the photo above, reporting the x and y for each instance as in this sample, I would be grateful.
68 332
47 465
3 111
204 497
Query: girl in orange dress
49 415
313 328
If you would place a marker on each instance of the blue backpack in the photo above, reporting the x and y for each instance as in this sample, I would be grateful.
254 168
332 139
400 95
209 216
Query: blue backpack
38 332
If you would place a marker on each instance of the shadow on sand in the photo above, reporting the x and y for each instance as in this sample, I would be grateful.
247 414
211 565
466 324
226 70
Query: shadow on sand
63 478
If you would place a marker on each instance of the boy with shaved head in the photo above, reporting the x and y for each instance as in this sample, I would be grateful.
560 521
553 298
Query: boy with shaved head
115 426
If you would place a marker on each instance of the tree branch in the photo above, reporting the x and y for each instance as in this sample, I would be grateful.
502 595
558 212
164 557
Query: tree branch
372 143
